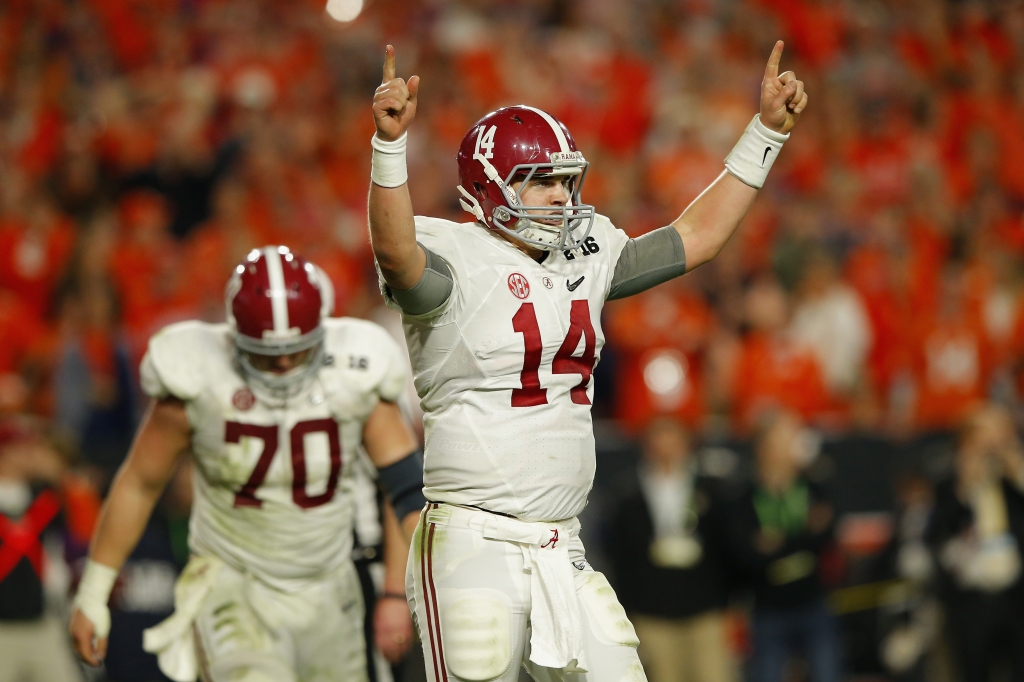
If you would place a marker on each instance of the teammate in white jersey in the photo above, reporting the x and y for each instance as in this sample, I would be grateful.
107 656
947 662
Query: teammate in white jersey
503 323
273 406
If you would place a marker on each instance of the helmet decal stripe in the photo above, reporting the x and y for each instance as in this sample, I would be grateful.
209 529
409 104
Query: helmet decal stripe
278 291
555 128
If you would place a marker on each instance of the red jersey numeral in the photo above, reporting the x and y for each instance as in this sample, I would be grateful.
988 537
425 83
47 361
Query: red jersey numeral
525 323
246 496
298 436
567 363
233 432
580 326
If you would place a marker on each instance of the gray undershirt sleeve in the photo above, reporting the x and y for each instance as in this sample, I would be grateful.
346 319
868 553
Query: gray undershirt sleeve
433 289
647 261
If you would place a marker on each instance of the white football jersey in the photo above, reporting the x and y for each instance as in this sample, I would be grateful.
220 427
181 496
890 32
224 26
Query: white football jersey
273 490
504 368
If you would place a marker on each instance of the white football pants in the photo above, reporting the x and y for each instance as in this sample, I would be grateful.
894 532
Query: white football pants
247 631
471 600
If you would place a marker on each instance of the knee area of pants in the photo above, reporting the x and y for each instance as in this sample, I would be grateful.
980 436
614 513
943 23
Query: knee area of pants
255 669
608 619
476 629
635 673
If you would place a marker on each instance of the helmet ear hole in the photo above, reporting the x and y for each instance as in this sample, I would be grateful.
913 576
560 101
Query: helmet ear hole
480 190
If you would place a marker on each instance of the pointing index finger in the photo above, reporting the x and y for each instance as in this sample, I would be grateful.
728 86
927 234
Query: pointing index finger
772 70
389 64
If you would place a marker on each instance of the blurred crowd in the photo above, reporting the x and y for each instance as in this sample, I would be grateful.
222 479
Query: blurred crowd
146 146
763 571
874 288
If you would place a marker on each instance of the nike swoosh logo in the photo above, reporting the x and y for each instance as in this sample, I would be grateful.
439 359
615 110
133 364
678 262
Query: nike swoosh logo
766 150
572 287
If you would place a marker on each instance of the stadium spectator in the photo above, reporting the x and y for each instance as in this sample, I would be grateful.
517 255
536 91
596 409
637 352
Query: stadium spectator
95 384
778 531
830 319
910 616
977 533
661 336
41 511
950 356
670 573
773 369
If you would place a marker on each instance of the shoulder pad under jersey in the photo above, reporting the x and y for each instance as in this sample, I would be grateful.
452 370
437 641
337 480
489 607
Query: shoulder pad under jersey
182 359
367 354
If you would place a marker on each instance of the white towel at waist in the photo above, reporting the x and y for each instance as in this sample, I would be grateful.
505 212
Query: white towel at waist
556 639
172 640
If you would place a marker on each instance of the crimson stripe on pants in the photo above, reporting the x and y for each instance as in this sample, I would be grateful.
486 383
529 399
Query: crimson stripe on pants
433 599
426 595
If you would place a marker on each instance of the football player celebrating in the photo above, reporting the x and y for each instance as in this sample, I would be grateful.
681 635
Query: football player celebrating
273 406
503 322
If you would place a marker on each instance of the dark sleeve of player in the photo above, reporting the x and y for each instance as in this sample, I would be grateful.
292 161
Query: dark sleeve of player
433 289
648 261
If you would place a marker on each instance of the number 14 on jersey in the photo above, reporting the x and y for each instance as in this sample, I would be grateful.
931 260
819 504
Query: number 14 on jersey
525 322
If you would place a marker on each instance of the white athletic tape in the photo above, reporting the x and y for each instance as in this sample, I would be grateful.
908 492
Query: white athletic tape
754 153
387 166
93 594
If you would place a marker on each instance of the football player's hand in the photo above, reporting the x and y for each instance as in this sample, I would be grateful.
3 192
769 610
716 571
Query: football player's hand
782 96
394 103
90 649
392 628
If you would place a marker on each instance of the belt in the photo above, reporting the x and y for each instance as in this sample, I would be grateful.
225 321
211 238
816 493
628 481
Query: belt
545 535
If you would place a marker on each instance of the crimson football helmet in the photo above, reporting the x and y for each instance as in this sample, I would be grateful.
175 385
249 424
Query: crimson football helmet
275 303
523 143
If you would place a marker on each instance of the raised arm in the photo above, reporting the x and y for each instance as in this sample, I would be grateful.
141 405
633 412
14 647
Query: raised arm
707 224
392 231
159 445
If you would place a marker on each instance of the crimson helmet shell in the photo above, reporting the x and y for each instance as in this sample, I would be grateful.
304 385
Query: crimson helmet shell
518 143
276 301
275 298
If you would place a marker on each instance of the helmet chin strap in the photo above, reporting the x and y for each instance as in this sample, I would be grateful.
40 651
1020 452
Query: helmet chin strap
470 204
539 232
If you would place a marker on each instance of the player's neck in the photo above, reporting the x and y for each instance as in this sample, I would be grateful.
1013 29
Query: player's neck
534 253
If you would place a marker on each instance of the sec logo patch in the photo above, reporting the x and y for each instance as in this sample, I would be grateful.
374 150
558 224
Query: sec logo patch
243 399
518 285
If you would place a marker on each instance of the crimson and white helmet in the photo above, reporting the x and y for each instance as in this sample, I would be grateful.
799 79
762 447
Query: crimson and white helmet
522 143
275 303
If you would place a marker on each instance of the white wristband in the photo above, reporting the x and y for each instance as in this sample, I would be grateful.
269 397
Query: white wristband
752 157
387 167
93 594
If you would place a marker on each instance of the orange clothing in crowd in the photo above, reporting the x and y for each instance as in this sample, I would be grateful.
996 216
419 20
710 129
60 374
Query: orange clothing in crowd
896 290
152 287
209 255
777 372
951 368
20 332
33 260
660 337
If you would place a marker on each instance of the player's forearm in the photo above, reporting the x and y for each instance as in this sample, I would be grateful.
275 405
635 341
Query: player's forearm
709 222
393 236
396 552
123 518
